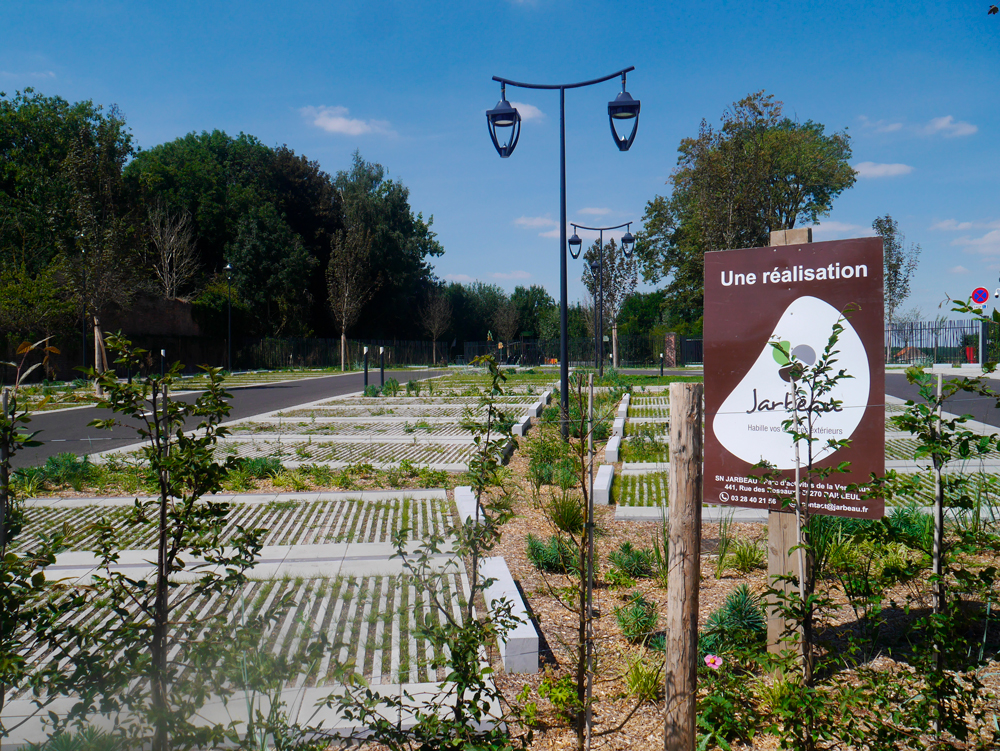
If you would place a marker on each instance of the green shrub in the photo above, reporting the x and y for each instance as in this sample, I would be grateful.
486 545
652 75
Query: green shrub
413 388
637 618
636 563
747 556
644 679
566 512
260 467
738 626
372 390
562 693
68 469
557 556
391 387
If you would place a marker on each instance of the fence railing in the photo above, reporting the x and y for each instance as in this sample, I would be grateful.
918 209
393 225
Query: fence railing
634 351
926 342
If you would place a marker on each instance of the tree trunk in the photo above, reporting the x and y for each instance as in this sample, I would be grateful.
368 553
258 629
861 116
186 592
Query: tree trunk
98 361
434 355
614 343
343 351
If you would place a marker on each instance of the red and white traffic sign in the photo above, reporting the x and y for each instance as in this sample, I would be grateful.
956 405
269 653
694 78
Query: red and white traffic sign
980 296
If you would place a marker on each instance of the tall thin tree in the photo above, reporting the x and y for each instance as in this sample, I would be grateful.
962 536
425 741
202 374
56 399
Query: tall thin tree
350 279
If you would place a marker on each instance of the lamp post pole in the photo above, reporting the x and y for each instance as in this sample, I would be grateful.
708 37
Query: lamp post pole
83 315
229 310
575 246
503 116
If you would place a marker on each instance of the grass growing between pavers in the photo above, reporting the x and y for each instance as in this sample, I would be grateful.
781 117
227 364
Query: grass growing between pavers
648 489
66 475
288 522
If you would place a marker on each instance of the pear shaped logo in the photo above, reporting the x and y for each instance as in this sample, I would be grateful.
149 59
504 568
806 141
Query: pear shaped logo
749 422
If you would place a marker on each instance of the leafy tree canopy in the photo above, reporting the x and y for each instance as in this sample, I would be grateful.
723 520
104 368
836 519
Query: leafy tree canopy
531 303
758 171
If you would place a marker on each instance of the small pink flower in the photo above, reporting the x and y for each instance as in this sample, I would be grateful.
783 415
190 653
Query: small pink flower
713 661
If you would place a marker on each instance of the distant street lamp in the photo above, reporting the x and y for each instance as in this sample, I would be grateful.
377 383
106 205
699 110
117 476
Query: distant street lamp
504 123
229 308
575 246
83 313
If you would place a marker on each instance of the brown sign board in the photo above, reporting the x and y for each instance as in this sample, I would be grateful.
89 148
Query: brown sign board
793 294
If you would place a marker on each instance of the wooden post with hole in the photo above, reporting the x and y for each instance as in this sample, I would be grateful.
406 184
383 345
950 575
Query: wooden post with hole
684 578
781 532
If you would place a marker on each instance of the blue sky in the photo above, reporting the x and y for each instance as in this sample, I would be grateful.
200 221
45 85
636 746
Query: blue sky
407 84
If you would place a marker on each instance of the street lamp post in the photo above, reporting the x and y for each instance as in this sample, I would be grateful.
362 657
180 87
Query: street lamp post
504 117
575 246
229 310
83 314
595 269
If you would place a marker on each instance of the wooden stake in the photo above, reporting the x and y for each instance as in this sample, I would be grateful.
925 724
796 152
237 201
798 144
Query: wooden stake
782 530
684 578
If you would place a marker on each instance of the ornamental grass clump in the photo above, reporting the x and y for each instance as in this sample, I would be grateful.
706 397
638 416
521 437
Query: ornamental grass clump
636 563
557 556
637 618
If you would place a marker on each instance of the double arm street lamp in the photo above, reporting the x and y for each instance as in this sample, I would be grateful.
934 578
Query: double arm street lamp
504 123
575 246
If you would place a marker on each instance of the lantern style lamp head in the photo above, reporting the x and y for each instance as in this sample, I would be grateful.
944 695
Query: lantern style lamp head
595 268
628 242
575 244
228 269
624 107
499 119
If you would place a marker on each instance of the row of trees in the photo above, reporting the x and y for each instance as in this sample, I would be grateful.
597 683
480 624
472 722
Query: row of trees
89 221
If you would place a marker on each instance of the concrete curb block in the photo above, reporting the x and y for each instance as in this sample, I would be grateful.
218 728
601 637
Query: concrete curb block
602 485
536 409
618 427
546 396
612 449
522 426
518 647
623 407
465 501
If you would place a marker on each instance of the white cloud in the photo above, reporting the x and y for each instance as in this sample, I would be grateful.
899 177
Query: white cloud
34 74
535 222
831 230
958 270
595 212
949 127
511 275
464 278
528 111
550 233
880 126
952 225
988 244
872 169
335 120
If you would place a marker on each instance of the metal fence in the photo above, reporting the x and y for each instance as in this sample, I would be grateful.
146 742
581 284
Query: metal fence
926 342
635 351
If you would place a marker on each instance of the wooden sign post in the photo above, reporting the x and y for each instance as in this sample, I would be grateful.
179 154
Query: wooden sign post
684 578
782 534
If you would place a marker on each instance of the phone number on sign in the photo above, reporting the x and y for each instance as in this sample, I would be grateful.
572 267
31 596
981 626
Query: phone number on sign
726 498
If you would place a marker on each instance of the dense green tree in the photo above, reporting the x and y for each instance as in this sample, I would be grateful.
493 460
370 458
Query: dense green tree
576 323
531 302
758 172
642 313
402 244
38 134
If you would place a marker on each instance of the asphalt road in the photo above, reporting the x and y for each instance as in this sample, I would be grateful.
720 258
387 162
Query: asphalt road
981 408
69 431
